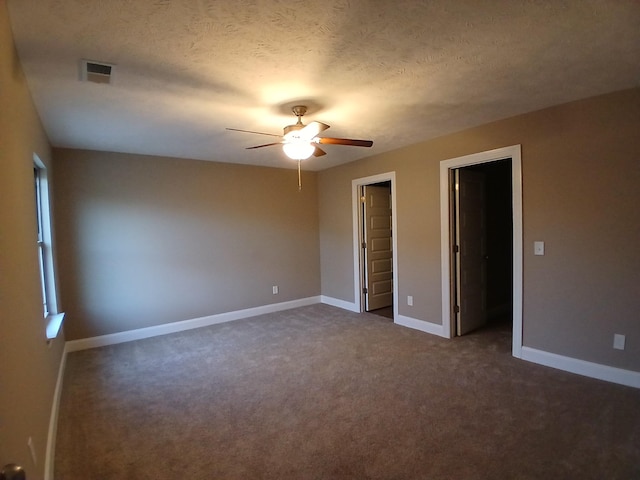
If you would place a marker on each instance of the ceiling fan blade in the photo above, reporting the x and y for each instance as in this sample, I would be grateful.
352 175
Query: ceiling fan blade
265 145
249 131
343 141
312 130
318 152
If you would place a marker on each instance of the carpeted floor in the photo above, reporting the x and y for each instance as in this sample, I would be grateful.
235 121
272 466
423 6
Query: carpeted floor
321 393
384 312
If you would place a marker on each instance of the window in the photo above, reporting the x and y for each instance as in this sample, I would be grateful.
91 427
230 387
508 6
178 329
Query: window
38 177
50 312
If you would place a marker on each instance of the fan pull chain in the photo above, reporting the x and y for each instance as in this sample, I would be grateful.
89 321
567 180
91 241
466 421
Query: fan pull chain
299 179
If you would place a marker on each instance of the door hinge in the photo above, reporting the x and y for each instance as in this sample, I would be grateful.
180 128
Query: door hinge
364 244
364 290
456 249
456 309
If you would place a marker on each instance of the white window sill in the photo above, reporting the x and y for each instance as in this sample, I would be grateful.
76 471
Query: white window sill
54 324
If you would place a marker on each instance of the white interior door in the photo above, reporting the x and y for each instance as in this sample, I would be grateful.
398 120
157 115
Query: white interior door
471 271
378 247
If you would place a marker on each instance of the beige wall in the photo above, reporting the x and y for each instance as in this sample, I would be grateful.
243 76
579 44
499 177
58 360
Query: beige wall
147 240
581 177
28 366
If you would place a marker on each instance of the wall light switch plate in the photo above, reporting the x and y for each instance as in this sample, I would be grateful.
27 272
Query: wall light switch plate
618 341
538 248
410 300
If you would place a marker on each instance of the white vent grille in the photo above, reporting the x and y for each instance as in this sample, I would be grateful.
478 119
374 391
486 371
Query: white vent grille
96 72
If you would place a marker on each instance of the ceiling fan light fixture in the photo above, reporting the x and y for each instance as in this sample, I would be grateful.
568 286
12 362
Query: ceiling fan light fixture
299 141
298 150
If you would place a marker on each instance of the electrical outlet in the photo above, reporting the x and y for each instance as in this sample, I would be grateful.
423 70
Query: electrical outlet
275 289
410 300
32 450
538 248
618 341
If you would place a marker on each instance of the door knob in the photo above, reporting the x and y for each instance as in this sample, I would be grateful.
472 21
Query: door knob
12 471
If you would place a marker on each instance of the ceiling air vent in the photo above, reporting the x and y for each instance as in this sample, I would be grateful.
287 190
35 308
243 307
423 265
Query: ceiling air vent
96 72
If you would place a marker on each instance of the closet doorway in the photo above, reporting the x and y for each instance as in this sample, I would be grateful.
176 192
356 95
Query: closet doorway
451 287
375 245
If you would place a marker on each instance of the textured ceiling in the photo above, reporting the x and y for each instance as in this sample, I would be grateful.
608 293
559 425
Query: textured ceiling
395 72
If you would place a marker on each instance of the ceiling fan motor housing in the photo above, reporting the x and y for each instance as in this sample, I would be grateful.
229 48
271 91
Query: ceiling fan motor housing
293 128
299 110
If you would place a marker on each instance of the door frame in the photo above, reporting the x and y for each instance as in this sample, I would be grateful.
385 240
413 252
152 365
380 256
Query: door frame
358 268
514 153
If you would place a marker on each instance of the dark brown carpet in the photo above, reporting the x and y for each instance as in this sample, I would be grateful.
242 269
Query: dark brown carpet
321 393
384 312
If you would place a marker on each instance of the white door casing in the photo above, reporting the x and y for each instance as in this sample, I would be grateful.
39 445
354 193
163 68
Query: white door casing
514 153
356 189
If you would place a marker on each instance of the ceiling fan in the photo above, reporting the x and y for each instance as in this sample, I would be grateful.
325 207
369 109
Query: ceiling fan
301 141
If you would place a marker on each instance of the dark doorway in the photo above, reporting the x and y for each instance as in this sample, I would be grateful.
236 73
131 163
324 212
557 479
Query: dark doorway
497 244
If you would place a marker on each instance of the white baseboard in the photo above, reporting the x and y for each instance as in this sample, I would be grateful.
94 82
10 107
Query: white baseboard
422 325
164 329
582 367
336 302
53 420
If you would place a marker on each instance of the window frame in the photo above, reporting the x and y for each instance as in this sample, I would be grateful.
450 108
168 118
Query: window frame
44 243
